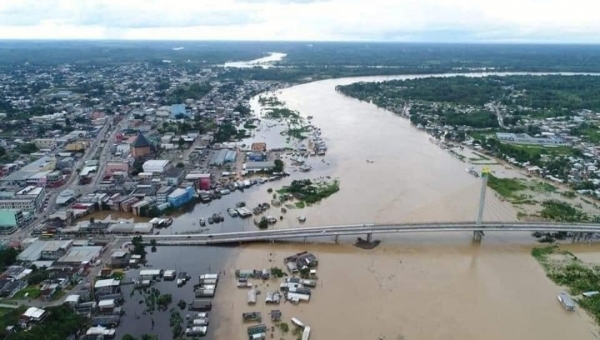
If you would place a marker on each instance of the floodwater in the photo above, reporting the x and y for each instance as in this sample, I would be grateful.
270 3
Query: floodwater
264 62
417 286
454 291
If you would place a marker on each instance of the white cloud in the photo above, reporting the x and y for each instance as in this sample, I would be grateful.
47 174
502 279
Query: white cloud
393 20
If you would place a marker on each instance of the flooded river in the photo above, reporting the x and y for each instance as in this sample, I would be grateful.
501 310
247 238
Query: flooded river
419 286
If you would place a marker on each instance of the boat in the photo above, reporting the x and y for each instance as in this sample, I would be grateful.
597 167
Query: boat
305 168
232 212
566 301
202 222
240 204
211 220
301 219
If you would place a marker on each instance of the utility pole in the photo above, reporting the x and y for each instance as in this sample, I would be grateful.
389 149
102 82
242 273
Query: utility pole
478 235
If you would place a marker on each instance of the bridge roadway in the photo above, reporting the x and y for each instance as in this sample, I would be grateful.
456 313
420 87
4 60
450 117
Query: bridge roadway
360 229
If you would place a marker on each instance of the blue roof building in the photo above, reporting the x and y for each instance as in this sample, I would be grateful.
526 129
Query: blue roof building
178 110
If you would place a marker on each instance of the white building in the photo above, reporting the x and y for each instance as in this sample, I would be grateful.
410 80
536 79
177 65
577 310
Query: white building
28 199
156 166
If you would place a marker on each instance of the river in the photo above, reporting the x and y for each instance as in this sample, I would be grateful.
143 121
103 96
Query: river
423 286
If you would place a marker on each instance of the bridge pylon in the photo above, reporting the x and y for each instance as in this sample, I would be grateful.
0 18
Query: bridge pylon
485 172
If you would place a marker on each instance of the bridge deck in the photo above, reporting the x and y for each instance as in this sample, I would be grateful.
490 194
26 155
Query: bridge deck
363 229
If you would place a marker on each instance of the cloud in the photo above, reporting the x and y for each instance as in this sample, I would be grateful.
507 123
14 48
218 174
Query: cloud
356 20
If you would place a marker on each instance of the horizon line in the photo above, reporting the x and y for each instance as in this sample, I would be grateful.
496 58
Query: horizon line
423 42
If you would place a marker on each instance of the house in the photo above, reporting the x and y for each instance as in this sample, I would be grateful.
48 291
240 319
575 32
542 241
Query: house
156 166
33 314
8 288
178 110
174 176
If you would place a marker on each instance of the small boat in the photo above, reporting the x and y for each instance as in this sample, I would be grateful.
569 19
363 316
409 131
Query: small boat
211 220
202 222
566 302
240 204
301 219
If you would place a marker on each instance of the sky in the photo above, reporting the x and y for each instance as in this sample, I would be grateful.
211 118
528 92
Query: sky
573 21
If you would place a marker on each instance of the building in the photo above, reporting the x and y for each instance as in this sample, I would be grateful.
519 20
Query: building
141 146
12 218
174 176
78 256
28 199
45 143
203 181
258 147
178 110
20 177
34 314
180 196
256 156
525 139
113 167
45 250
218 158
259 166
230 157
156 166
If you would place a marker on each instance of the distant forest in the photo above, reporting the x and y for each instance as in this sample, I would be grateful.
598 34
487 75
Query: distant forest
550 92
309 61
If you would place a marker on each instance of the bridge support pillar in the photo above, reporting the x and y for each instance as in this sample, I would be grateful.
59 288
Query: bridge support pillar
369 237
304 239
477 235
337 239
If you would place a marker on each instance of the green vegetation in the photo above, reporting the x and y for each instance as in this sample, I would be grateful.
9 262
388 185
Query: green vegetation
565 269
548 95
61 322
138 246
277 272
278 165
284 327
270 101
263 223
543 187
176 323
300 205
568 194
309 192
506 187
8 257
9 317
193 91
28 148
555 210
32 292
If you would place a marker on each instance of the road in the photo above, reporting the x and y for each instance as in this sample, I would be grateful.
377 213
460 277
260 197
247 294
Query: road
362 229
71 183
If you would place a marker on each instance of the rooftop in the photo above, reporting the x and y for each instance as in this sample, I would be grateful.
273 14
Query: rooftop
141 141
81 254
30 169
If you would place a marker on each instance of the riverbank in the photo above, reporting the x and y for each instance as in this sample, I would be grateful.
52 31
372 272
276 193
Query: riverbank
412 291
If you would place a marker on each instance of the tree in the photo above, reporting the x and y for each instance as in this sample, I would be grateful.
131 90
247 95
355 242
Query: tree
2 151
181 142
128 337
278 165
263 223
180 165
37 277
138 246
8 257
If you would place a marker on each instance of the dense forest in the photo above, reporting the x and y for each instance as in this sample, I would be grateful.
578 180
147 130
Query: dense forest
554 92
461 100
